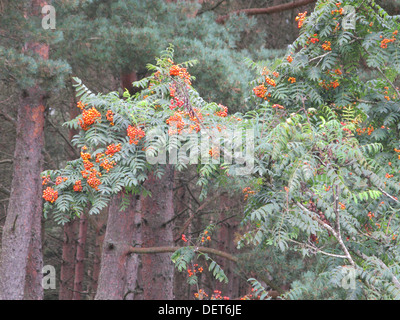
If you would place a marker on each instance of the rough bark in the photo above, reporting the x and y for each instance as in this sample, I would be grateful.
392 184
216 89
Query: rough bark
69 241
25 198
34 275
99 239
80 259
21 240
68 261
133 289
226 243
119 232
181 287
157 269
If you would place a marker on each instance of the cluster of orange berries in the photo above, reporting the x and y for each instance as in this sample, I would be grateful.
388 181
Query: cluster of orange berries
217 296
247 192
388 176
338 72
90 173
107 164
205 237
175 101
292 79
89 117
270 81
313 39
60 180
194 271
50 195
104 158
113 149
385 41
265 72
214 152
289 59
342 206
260 91
78 186
110 117
278 106
398 151
92 180
387 97
361 131
332 84
223 113
339 11
249 296
327 46
81 105
201 294
45 180
135 134
371 215
300 19
327 188
181 73
176 123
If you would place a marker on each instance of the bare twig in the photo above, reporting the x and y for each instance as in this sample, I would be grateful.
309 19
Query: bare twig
318 249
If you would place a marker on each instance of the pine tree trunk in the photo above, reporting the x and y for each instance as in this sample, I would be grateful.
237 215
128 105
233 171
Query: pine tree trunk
181 203
69 242
133 290
117 241
99 239
226 242
80 259
21 241
68 261
34 275
158 270
25 198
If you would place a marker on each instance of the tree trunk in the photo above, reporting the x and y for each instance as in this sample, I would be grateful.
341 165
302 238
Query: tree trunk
68 261
133 289
119 233
181 287
99 239
34 275
226 243
21 240
69 241
158 269
80 258
25 198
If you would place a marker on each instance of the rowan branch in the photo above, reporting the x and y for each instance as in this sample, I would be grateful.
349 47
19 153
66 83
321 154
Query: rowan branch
335 233
6 161
269 10
317 249
153 250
